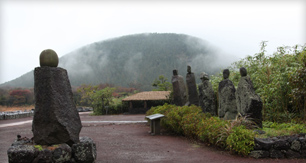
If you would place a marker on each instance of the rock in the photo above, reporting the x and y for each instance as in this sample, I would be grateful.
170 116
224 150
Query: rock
227 100
292 138
260 132
295 145
179 89
21 141
48 58
21 154
207 96
303 153
259 154
261 143
303 142
281 144
84 151
248 102
193 97
44 156
276 154
56 119
62 153
292 154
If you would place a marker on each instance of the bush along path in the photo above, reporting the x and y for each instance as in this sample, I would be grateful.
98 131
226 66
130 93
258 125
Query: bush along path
240 136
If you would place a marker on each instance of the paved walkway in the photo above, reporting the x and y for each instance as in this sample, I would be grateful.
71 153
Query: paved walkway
126 138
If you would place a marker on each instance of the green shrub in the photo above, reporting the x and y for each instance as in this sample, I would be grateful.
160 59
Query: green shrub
190 123
173 115
241 140
210 129
173 119
160 109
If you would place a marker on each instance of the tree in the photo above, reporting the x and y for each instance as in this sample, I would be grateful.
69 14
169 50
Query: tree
161 84
20 97
102 99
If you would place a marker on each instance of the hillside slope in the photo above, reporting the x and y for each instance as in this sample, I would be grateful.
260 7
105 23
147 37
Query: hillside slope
134 60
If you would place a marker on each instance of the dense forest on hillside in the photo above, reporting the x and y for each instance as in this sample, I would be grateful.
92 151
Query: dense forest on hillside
134 60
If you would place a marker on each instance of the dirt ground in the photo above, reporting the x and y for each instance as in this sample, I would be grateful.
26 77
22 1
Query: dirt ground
124 138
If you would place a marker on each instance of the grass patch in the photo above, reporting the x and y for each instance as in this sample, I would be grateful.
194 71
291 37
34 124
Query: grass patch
273 129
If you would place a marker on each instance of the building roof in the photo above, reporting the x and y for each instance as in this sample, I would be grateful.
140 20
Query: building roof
149 95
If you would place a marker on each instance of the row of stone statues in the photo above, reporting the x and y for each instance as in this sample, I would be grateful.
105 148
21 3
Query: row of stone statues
230 102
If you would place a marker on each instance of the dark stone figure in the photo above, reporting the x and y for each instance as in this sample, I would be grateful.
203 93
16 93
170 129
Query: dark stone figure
207 95
227 100
248 102
56 119
179 89
193 97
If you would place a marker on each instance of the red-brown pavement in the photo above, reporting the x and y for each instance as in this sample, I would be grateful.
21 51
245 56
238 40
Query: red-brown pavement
125 139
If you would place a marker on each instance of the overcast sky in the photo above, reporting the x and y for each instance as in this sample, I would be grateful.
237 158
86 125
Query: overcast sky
235 27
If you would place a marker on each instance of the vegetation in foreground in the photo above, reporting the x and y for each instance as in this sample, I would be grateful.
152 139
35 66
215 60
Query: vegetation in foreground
278 79
236 135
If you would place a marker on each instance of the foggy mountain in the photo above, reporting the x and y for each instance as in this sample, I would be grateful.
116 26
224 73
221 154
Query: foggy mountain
135 61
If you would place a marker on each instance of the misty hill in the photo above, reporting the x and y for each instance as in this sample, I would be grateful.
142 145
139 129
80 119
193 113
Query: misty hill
134 60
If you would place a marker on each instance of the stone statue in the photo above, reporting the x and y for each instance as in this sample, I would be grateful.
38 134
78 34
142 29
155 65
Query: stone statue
207 95
56 119
248 102
56 122
193 97
227 100
179 89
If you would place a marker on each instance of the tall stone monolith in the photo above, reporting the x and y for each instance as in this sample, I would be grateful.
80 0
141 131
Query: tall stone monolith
227 100
179 89
193 98
56 119
248 102
207 95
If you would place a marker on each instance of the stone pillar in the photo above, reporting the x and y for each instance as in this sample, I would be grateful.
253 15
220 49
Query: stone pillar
227 100
56 119
248 102
56 122
193 97
179 89
207 95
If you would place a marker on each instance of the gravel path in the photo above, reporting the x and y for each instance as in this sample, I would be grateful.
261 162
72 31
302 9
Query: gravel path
118 140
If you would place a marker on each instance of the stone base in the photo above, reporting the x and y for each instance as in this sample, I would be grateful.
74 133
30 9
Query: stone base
293 146
24 151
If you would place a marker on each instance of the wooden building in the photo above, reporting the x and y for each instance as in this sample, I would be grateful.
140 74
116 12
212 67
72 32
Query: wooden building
141 102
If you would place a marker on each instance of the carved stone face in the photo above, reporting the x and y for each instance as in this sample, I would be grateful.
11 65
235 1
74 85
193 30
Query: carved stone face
174 72
226 73
188 69
243 72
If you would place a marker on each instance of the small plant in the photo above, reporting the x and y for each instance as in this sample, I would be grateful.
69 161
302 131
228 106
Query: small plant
39 147
241 140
